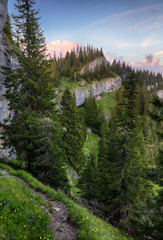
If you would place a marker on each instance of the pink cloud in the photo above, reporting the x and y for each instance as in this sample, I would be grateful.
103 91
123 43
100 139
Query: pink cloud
61 47
111 56
151 63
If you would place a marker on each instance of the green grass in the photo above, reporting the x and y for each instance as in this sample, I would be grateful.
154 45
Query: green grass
91 144
66 82
107 102
90 227
20 214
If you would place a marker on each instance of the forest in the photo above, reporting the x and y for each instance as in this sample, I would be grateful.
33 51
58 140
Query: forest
119 179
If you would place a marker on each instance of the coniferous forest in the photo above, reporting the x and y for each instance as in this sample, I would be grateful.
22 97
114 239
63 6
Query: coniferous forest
119 179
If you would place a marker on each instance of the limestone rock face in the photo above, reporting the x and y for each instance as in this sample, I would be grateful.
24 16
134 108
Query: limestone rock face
5 60
160 94
96 89
91 66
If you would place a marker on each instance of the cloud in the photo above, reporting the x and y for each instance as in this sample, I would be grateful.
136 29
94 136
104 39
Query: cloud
150 63
111 56
61 47
126 45
152 8
146 43
159 53
150 23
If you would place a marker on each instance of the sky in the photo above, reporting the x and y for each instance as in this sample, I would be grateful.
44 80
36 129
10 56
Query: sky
129 30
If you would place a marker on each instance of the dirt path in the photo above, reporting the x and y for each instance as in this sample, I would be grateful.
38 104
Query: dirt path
61 224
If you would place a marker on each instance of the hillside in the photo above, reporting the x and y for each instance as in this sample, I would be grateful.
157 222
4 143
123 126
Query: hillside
13 207
85 136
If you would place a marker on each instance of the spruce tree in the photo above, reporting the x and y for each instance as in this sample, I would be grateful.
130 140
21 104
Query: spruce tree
91 114
28 87
48 163
73 137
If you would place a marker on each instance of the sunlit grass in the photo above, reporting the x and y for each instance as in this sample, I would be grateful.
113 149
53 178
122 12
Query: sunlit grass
107 102
91 144
21 216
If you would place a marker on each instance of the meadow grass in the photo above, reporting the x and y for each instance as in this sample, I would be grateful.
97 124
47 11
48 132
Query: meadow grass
107 102
90 227
21 215
91 144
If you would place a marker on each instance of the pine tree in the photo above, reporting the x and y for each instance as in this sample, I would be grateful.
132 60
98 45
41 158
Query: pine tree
89 178
48 162
91 114
73 137
28 87
7 29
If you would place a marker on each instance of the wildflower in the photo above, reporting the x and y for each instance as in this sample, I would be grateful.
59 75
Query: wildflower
6 203
11 237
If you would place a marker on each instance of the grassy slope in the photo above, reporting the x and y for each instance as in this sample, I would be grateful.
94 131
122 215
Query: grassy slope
20 214
90 226
91 144
107 102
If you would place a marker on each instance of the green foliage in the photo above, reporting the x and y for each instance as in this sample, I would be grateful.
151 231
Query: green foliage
89 180
21 216
107 102
73 136
91 144
7 29
48 162
91 114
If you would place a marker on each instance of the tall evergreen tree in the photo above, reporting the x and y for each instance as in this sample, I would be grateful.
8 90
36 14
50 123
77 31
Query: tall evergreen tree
48 163
73 137
91 114
27 88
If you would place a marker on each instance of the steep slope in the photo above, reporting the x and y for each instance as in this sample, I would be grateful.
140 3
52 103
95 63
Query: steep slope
89 226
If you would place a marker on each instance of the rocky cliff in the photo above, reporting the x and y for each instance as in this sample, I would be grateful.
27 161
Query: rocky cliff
96 89
5 63
5 60
160 94
91 66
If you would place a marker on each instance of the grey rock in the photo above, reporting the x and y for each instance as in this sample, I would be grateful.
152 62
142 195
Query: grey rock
96 89
57 209
83 83
98 98
91 66
160 94
89 130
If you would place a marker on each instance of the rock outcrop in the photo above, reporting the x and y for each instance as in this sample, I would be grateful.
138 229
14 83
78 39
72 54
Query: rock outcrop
160 94
96 89
91 66
5 61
